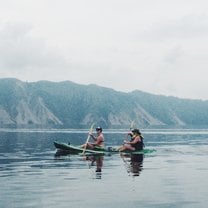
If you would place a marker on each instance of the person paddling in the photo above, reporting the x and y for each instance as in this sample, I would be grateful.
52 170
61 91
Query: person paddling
136 142
98 140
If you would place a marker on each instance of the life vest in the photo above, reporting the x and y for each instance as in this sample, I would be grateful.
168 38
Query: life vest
139 145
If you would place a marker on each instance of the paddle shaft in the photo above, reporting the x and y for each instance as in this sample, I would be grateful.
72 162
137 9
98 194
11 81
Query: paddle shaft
91 129
131 126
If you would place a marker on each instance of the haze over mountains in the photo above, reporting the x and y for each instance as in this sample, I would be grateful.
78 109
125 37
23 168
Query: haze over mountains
45 104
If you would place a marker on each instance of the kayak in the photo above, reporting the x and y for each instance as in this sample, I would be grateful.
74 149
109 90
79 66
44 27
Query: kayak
73 149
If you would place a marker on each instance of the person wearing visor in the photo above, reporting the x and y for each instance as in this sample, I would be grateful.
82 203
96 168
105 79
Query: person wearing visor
98 140
136 142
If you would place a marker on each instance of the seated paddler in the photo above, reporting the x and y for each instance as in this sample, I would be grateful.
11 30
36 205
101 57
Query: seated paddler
135 143
98 140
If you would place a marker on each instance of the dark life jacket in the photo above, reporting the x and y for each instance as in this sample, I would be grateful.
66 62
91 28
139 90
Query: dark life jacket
139 145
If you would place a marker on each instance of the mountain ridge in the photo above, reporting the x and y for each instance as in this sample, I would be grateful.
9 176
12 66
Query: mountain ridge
47 104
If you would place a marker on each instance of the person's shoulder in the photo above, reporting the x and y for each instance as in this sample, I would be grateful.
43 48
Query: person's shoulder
101 135
138 137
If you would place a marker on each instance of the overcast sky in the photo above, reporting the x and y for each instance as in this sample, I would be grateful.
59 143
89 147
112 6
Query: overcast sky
157 46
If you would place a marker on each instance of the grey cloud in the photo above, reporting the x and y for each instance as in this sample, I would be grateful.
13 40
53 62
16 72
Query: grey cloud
191 26
20 51
174 55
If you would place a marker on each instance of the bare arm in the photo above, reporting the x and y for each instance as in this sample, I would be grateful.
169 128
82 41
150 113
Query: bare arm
136 139
93 136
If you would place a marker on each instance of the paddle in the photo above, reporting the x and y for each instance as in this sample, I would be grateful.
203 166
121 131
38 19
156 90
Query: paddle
91 129
131 127
126 137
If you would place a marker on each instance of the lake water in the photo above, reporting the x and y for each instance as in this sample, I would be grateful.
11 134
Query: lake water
32 176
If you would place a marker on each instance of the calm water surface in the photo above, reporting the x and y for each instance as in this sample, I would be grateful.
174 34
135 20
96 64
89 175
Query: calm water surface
31 175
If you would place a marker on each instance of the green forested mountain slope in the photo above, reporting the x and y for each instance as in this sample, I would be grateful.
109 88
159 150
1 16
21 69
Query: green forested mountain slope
66 104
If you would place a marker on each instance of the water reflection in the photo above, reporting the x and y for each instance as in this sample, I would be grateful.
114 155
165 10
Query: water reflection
60 152
96 161
133 163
